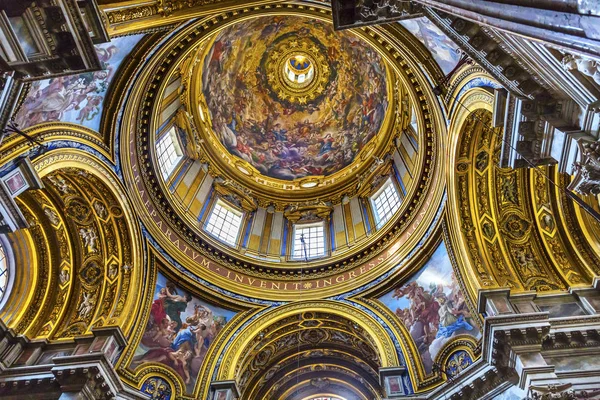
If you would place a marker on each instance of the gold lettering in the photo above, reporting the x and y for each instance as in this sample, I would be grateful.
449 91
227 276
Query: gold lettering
251 281
239 278
273 285
263 284
351 275
327 281
362 269
296 284
337 279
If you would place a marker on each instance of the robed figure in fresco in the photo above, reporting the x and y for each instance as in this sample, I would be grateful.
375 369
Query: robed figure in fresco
179 332
432 307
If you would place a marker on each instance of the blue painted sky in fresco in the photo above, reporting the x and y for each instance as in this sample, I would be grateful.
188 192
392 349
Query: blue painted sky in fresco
444 51
78 98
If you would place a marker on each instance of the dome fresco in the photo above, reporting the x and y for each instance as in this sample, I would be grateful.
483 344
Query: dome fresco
290 125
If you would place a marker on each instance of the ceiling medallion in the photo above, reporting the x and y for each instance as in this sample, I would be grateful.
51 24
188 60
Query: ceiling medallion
297 71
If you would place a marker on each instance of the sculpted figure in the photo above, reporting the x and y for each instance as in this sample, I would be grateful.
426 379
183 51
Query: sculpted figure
89 237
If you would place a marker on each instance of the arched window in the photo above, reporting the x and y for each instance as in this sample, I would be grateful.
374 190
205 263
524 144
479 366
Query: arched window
3 271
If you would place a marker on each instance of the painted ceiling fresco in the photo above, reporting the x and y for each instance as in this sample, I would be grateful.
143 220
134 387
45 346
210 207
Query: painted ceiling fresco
432 307
179 331
443 50
286 137
78 98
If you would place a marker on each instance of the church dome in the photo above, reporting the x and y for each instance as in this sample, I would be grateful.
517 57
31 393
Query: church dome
275 147
292 97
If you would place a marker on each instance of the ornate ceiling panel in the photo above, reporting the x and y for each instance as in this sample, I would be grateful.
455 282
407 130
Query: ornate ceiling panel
293 98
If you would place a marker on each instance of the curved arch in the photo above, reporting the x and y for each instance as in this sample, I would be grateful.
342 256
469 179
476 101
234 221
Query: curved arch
244 339
475 99
505 225
81 192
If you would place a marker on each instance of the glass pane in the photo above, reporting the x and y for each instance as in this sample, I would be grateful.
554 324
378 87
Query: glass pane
386 203
3 272
224 223
167 154
314 241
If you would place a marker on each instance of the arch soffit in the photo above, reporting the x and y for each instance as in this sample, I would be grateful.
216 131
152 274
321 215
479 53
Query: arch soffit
244 338
73 146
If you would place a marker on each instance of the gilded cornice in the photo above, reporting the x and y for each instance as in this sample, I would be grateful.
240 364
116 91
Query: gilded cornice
215 262
164 14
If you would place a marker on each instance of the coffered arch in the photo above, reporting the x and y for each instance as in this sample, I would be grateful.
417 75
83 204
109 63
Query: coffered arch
506 218
297 347
81 247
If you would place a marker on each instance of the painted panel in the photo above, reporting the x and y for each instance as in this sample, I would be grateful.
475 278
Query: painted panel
75 98
432 307
289 136
402 168
257 229
24 35
575 363
443 50
357 220
408 146
562 310
202 195
180 331
170 110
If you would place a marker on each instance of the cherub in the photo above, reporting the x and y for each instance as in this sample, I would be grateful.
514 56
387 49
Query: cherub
163 329
182 357
87 305
60 183
89 237
64 276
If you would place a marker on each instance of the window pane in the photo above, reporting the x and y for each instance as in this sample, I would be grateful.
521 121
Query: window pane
3 272
314 241
385 203
168 152
224 223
